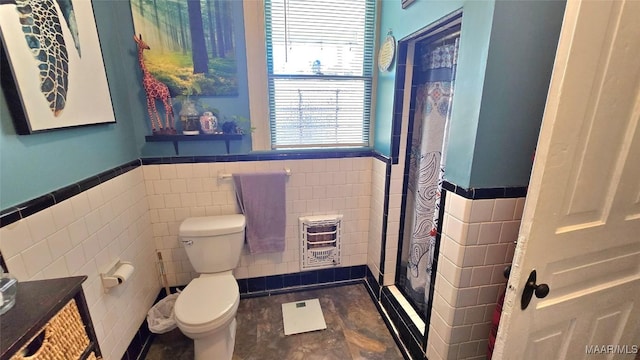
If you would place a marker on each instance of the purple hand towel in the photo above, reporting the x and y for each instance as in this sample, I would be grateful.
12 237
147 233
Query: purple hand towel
261 197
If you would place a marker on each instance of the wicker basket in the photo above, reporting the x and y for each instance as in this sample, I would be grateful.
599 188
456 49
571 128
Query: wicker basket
64 337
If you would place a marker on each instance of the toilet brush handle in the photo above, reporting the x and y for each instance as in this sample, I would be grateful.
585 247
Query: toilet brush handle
163 273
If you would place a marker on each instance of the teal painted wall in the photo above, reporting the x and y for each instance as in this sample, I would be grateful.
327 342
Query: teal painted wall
32 165
473 51
505 59
402 22
500 95
523 46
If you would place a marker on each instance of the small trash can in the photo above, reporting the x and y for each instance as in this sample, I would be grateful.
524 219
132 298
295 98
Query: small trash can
161 317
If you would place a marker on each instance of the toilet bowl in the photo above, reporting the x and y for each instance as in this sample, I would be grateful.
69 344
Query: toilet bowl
205 310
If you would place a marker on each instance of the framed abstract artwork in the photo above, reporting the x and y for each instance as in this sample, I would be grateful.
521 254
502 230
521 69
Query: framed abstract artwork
406 3
53 73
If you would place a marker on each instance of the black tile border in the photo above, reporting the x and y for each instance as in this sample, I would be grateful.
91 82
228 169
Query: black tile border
304 280
408 333
373 284
143 338
300 288
30 207
3 264
506 192
398 100
140 344
385 219
387 296
265 156
9 216
384 158
66 192
15 213
388 323
38 204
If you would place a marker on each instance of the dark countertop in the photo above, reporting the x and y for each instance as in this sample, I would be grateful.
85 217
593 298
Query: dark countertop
36 303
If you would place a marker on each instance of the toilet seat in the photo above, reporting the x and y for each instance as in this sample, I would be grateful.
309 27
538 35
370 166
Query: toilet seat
207 303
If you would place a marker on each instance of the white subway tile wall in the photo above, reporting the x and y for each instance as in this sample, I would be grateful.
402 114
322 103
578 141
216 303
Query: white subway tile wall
378 178
393 222
135 214
81 236
396 183
315 187
478 242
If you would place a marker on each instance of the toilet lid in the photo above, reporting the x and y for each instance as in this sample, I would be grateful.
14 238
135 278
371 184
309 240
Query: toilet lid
207 302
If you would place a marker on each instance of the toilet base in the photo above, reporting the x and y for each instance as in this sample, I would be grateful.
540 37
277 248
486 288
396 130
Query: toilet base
219 345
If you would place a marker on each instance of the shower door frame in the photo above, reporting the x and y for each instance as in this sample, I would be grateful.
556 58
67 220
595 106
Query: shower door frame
442 28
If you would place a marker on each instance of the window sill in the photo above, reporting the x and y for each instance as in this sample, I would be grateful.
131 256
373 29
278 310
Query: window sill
315 153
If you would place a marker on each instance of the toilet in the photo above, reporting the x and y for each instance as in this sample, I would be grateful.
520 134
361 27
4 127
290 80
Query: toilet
205 310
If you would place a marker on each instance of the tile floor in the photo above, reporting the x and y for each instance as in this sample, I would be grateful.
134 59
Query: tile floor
355 330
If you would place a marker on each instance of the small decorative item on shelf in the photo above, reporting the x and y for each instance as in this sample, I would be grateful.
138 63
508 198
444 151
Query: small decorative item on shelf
189 118
208 123
155 90
237 125
229 127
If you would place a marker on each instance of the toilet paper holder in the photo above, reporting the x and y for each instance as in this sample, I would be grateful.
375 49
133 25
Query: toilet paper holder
117 273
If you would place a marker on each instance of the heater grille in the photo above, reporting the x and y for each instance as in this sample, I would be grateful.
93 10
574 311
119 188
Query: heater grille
321 238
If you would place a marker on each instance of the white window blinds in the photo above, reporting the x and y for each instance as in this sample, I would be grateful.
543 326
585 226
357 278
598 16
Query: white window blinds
320 64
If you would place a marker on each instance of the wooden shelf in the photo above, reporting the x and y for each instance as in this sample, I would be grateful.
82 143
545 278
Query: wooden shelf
175 139
36 303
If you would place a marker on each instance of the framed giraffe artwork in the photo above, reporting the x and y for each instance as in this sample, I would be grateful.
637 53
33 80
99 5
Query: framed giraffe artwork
192 45
53 74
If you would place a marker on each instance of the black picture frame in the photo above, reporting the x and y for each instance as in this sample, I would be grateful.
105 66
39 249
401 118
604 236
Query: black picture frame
58 86
406 3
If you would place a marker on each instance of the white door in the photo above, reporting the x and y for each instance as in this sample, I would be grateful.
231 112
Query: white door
581 225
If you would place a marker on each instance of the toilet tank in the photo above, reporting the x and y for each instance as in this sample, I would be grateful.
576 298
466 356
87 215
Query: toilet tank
213 243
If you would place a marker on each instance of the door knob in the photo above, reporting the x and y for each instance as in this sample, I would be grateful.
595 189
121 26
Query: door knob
506 272
531 288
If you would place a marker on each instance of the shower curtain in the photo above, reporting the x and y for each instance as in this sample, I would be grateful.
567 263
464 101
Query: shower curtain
429 139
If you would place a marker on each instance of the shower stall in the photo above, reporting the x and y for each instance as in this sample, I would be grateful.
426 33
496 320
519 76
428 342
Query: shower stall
432 87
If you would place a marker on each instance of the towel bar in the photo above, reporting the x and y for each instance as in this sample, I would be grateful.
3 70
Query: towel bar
227 176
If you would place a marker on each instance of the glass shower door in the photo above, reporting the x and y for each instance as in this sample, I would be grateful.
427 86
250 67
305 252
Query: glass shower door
433 84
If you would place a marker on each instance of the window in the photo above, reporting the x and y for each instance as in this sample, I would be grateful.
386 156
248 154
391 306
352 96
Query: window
320 68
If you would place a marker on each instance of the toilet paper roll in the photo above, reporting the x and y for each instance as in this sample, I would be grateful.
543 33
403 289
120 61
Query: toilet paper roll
124 272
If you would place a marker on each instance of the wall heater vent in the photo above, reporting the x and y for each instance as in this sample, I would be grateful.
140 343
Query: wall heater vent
321 240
